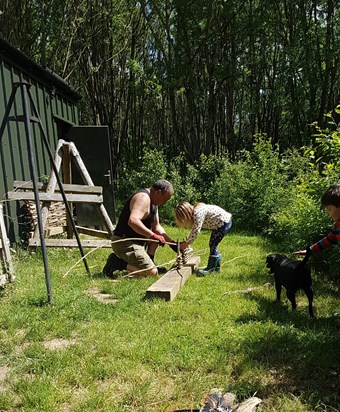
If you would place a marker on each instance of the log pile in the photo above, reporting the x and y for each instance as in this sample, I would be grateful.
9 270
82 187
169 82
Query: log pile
56 219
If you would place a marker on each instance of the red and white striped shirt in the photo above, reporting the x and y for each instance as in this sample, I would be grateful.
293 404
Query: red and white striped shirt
333 238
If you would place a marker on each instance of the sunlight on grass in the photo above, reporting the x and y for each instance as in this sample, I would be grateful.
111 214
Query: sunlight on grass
79 354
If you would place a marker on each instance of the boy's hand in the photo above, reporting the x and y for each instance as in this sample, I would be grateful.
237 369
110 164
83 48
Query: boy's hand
300 253
306 252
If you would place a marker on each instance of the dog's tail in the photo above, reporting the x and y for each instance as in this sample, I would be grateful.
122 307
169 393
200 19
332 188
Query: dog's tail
305 259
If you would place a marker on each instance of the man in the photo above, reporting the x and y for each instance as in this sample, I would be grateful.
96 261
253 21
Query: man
139 219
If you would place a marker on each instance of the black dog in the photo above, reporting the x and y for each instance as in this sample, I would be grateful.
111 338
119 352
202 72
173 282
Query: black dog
293 275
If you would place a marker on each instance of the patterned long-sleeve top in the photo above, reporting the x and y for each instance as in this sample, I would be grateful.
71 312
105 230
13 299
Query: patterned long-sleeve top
207 217
333 238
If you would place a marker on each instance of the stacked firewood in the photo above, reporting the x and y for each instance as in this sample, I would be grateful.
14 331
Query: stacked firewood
56 219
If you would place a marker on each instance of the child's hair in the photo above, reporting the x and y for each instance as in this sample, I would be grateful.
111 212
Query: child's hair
184 214
331 197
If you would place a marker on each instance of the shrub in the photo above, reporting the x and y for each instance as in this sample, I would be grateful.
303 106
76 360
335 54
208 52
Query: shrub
152 166
253 187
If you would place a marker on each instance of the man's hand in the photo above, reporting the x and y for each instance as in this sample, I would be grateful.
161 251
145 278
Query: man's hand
160 238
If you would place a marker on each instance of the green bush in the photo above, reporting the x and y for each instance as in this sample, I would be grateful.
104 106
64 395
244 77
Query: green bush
152 166
254 187
268 192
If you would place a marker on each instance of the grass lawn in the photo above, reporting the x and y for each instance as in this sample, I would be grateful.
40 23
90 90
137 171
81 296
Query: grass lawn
131 354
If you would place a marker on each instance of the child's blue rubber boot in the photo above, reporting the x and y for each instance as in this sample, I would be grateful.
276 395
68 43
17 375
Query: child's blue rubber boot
214 265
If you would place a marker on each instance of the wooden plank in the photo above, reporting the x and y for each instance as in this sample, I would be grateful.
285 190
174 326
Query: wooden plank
50 188
19 185
56 197
86 243
168 286
94 232
193 262
67 174
5 250
54 231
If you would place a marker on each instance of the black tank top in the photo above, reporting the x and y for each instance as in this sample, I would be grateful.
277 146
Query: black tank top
123 229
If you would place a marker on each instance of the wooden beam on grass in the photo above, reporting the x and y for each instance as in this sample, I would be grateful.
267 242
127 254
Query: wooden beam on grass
193 262
169 284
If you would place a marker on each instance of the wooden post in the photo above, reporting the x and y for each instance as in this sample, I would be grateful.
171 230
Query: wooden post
4 248
67 172
52 183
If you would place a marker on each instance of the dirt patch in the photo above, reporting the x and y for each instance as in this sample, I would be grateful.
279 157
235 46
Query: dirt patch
4 370
105 298
56 344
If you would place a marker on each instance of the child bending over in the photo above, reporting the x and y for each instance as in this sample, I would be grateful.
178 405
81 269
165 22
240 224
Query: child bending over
202 216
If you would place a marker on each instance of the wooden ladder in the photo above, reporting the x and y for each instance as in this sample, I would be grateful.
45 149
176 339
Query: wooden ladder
86 193
5 254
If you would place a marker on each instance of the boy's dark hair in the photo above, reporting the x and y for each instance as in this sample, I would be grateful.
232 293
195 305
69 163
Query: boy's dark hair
331 196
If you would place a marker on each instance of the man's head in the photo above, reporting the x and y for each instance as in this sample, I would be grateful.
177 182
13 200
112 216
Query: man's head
331 202
161 191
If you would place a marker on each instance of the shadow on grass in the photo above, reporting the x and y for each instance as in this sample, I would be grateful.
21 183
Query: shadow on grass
38 301
98 275
301 353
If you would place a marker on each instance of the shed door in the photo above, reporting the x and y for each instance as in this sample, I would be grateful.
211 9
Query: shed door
93 145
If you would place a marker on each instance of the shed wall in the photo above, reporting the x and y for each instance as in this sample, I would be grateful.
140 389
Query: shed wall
53 106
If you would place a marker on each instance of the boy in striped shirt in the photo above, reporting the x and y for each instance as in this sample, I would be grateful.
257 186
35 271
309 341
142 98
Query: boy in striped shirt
330 200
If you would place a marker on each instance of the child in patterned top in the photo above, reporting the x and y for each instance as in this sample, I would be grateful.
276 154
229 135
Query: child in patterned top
203 216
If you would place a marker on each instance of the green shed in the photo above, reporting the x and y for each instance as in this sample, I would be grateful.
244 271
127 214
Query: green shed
56 102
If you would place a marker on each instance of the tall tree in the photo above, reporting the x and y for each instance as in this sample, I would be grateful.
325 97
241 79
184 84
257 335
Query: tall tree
191 76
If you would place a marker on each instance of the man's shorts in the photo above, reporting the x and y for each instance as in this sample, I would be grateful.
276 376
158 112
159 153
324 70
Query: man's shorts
132 252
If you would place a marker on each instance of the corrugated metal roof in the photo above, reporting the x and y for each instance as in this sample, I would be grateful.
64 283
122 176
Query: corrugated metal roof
33 69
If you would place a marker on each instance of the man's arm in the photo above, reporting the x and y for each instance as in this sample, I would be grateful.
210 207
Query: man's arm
139 209
159 230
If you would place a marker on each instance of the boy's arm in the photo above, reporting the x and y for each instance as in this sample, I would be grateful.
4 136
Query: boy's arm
303 252
333 238
300 252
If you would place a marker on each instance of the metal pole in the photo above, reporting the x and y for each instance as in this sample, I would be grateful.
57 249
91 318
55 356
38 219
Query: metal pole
58 180
35 184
